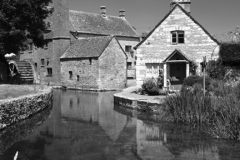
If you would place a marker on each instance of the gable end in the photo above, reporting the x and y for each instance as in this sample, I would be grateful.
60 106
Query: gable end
177 5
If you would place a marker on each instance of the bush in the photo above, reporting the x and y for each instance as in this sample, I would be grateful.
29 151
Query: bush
150 86
192 80
215 69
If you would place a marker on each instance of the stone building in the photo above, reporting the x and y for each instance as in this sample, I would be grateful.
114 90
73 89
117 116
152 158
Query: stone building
66 26
176 41
97 63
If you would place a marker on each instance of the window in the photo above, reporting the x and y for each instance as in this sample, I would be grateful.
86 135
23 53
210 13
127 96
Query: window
77 77
129 65
128 48
42 62
90 61
177 37
49 72
70 74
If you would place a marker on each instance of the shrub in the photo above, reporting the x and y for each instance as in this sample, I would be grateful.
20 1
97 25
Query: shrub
192 80
150 86
215 69
193 67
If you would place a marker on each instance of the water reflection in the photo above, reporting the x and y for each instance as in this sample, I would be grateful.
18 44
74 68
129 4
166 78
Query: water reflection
84 125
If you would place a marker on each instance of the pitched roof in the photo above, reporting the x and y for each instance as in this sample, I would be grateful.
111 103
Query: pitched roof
98 24
177 5
177 51
230 53
87 48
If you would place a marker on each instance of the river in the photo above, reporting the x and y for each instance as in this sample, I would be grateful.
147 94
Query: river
87 126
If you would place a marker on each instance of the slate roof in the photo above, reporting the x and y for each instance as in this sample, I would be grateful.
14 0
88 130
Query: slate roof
177 5
87 48
98 24
230 53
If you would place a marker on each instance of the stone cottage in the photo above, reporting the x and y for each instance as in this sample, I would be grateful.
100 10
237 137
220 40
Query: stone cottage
66 26
177 41
97 63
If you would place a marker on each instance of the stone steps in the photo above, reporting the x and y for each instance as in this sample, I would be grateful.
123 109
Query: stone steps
26 72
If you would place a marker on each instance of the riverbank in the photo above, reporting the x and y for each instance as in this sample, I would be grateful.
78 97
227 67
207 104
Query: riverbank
18 108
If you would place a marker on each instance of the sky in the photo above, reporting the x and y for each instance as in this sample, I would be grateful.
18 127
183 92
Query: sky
216 16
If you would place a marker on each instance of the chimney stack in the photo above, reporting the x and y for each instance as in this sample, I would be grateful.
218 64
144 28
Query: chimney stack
122 13
185 4
103 10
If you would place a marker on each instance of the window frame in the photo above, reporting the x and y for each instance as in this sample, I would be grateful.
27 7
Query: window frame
70 75
42 61
49 69
128 48
178 37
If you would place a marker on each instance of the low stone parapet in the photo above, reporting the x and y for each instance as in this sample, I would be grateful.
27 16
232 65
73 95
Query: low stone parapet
138 102
15 109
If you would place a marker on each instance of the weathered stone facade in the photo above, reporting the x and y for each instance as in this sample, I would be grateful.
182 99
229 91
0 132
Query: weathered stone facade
131 58
158 46
113 67
88 73
66 27
104 72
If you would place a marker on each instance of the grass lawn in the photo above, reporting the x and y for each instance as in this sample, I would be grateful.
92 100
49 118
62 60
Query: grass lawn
12 91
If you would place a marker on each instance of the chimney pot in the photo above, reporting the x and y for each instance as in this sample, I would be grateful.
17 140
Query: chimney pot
103 10
122 13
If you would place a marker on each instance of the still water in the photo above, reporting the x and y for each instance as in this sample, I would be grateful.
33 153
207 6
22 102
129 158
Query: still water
87 126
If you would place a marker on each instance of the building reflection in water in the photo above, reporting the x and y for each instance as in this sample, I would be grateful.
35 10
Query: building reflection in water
84 125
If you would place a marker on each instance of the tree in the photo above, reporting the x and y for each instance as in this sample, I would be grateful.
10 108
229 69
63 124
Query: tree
21 20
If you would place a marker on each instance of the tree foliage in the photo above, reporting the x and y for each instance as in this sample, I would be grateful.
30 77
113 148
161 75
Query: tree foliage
215 69
21 20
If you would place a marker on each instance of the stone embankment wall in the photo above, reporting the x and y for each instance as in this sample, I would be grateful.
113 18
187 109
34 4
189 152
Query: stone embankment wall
16 109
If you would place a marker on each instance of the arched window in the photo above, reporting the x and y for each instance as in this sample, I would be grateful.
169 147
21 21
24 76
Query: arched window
177 37
70 74
77 77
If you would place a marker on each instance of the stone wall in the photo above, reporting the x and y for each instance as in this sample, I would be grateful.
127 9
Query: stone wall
112 67
157 47
22 129
128 41
86 69
16 109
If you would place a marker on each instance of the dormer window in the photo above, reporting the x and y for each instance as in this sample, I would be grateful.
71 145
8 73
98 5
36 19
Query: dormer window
177 37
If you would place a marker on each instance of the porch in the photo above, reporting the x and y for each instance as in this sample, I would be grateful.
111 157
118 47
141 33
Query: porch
176 69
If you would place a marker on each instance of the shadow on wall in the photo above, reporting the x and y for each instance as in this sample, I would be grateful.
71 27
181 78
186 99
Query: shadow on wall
4 70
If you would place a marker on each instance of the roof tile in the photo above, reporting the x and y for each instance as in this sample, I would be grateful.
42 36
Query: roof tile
87 48
98 24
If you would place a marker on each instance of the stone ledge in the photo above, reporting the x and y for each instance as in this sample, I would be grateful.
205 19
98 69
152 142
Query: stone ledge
19 108
138 102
